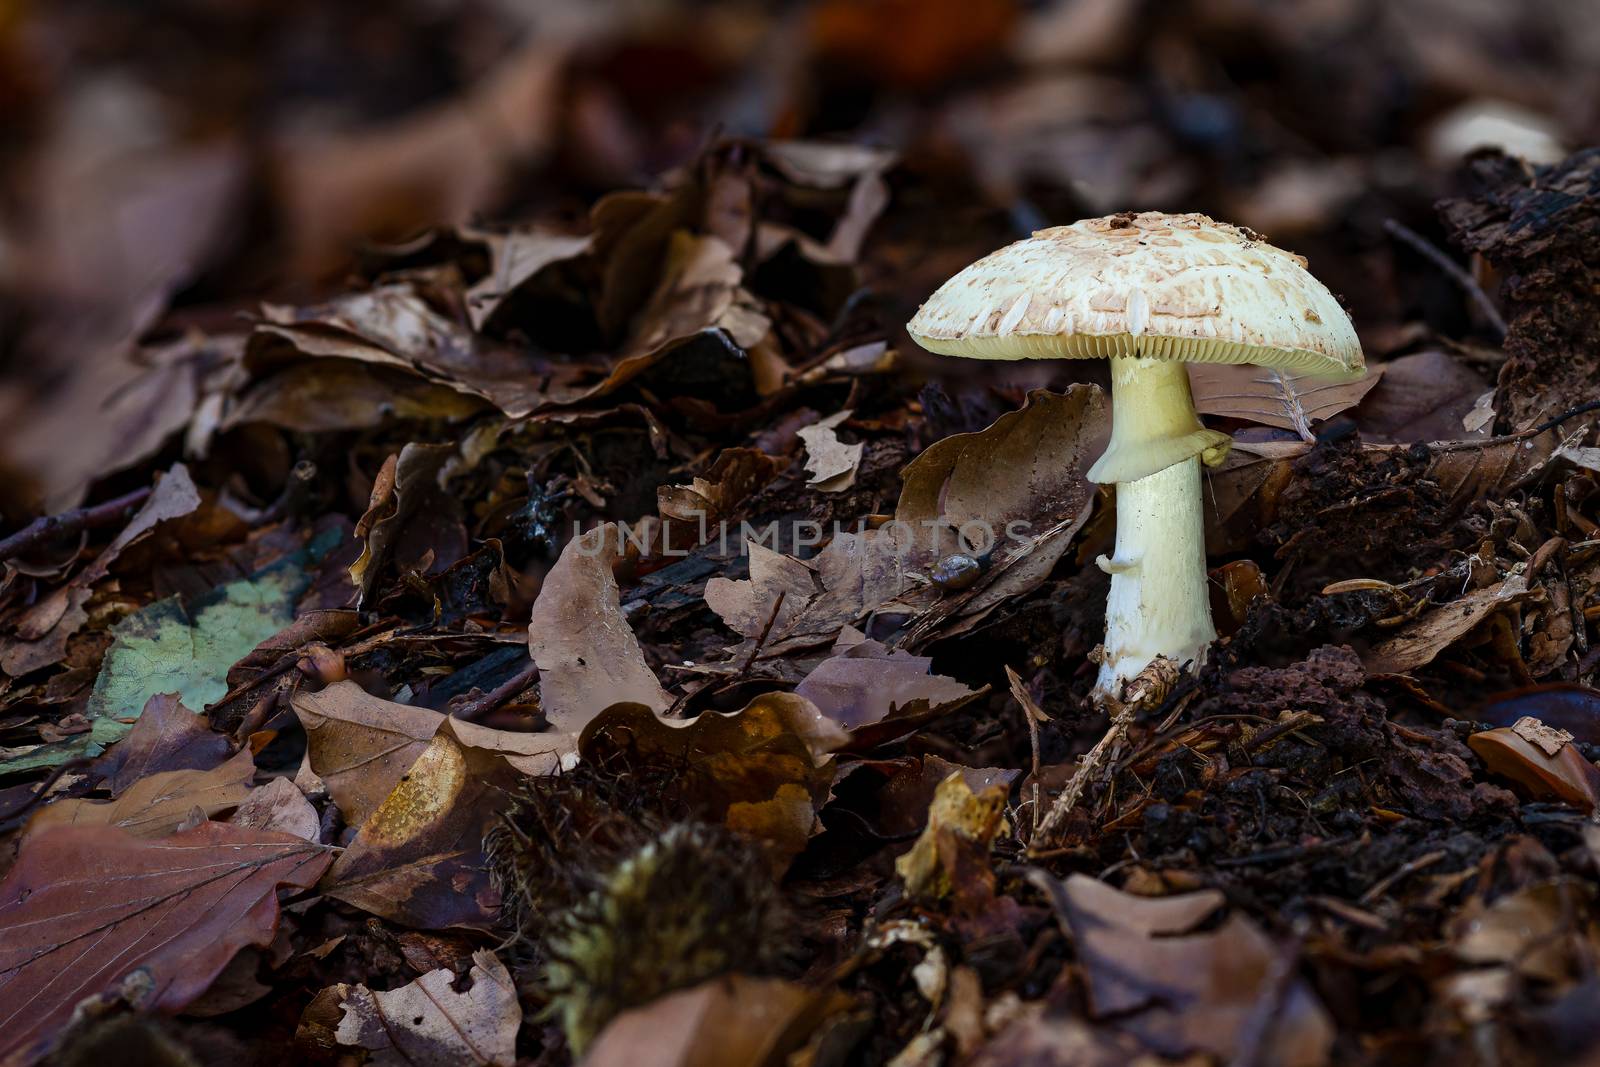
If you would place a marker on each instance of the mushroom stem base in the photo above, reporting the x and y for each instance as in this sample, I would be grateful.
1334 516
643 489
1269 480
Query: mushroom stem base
1159 602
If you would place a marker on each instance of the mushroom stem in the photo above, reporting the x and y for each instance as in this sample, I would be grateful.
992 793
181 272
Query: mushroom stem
1159 603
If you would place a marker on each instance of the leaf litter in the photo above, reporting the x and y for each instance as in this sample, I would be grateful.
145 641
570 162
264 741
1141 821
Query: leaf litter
486 484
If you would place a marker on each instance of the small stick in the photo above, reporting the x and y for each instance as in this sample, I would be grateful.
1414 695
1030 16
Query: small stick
1149 689
1032 712
777 606
473 710
1420 244
50 527
13 818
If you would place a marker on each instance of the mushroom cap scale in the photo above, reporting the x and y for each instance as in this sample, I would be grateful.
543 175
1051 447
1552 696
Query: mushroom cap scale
1175 287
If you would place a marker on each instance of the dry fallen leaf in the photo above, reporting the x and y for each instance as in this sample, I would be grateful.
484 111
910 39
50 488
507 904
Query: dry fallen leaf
1275 396
157 805
1181 992
1421 397
418 858
427 1023
735 1021
863 682
90 911
44 629
830 462
1540 930
588 656
1419 642
280 807
1015 492
361 746
167 737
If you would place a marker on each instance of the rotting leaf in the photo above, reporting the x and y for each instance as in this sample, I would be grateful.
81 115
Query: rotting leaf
1275 396
427 1022
90 911
156 805
173 647
587 655
418 858
957 812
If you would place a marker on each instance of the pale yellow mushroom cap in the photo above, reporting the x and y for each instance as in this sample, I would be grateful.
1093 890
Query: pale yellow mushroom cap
1179 287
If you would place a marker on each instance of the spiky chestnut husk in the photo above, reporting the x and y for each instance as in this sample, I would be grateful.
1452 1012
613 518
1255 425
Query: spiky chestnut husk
691 903
614 898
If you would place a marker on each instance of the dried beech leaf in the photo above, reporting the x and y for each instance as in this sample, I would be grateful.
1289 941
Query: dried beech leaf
360 745
587 654
1419 642
515 257
279 807
1016 488
427 1023
90 911
1526 929
830 462
1275 396
157 805
408 500
1421 397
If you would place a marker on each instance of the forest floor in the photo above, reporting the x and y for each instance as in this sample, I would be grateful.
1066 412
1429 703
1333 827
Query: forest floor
489 645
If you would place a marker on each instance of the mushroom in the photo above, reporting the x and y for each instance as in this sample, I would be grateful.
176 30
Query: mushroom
1150 292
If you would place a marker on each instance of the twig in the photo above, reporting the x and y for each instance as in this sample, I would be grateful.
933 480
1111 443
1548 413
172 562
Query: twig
1383 885
1150 689
13 818
1031 712
1426 248
1087 770
50 527
750 661
475 709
